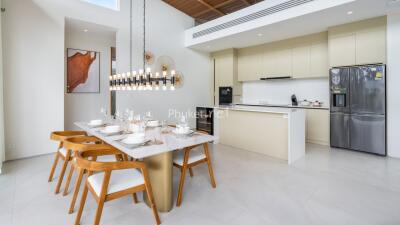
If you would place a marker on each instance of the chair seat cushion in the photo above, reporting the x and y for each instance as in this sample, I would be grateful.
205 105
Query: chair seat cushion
106 158
194 156
63 151
119 180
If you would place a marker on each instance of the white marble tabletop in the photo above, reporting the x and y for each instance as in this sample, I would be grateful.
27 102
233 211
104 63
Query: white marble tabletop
168 141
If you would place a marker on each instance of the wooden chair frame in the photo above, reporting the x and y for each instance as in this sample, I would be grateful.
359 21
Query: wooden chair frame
186 166
76 145
107 167
60 136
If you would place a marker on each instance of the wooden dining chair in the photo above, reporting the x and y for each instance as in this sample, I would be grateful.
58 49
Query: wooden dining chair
60 136
189 158
113 180
74 146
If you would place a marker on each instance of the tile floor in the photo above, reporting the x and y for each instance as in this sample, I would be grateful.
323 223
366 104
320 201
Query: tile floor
327 187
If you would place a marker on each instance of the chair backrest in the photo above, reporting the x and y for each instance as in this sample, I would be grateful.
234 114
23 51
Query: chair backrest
84 143
87 160
62 135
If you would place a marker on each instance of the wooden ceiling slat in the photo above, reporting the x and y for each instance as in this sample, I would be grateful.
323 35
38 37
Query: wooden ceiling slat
211 7
206 10
216 6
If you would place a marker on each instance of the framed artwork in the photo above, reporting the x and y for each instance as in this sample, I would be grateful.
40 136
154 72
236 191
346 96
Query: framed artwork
83 71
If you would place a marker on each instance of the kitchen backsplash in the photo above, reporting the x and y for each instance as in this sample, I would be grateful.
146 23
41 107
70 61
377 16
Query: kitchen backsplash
280 91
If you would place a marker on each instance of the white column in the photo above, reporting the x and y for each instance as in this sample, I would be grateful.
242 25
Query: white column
2 157
393 80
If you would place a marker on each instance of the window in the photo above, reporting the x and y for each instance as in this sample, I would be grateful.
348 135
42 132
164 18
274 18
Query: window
110 4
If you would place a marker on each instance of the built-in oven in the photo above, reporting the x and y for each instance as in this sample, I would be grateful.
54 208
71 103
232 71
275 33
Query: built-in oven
225 95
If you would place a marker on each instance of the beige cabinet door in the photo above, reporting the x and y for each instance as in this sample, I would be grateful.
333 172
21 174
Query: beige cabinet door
342 50
268 64
371 46
224 70
265 133
318 126
301 61
319 60
283 63
249 65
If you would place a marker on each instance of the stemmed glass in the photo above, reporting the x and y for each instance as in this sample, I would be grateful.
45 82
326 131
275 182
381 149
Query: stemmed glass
103 112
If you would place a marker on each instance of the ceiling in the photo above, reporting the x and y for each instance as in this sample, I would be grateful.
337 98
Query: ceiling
83 27
205 10
303 25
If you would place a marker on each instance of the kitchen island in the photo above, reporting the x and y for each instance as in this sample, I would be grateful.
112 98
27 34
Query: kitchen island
273 131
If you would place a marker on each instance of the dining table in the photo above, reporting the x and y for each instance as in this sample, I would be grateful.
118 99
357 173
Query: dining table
157 154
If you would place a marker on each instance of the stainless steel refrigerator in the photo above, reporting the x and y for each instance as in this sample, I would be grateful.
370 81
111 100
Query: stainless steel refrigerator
358 108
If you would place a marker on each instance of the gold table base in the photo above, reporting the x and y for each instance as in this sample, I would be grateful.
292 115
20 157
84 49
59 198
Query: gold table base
160 174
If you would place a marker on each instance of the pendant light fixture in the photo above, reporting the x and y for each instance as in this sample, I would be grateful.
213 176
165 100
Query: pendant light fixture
143 79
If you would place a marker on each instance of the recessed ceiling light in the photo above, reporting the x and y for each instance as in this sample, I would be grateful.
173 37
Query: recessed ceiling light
259 34
85 30
349 12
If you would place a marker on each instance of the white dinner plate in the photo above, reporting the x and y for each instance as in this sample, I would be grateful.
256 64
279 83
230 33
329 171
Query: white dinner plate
133 145
175 131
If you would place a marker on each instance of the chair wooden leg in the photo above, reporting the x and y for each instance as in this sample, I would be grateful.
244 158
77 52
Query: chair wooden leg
53 168
210 169
99 211
150 197
76 190
183 175
71 172
81 206
61 177
135 199
191 172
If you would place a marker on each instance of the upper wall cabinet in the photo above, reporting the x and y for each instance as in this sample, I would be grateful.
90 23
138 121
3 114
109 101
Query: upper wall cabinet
358 43
303 57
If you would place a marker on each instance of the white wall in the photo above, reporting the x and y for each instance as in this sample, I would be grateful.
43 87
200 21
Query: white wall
393 81
86 106
34 53
280 91
165 39
2 153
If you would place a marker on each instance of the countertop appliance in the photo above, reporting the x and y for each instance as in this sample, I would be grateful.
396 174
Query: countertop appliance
225 95
358 108
294 100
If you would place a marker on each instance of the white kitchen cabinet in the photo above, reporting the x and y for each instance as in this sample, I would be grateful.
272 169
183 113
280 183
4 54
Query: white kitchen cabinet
319 66
318 126
342 50
249 64
226 72
283 63
371 46
358 43
301 63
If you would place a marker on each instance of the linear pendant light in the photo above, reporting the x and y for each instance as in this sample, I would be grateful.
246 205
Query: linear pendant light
142 80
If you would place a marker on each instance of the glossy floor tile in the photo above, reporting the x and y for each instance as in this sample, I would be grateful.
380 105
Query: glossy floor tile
327 186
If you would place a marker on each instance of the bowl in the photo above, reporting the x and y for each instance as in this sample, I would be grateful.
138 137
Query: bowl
153 123
134 138
113 128
96 122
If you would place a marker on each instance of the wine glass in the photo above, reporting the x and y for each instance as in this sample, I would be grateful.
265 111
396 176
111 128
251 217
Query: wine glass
103 112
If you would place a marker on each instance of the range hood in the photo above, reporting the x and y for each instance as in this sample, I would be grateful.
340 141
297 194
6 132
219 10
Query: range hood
276 78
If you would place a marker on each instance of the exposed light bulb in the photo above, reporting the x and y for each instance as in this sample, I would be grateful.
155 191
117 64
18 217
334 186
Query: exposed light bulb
157 88
141 71
148 70
172 88
164 73
172 72
157 74
164 88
